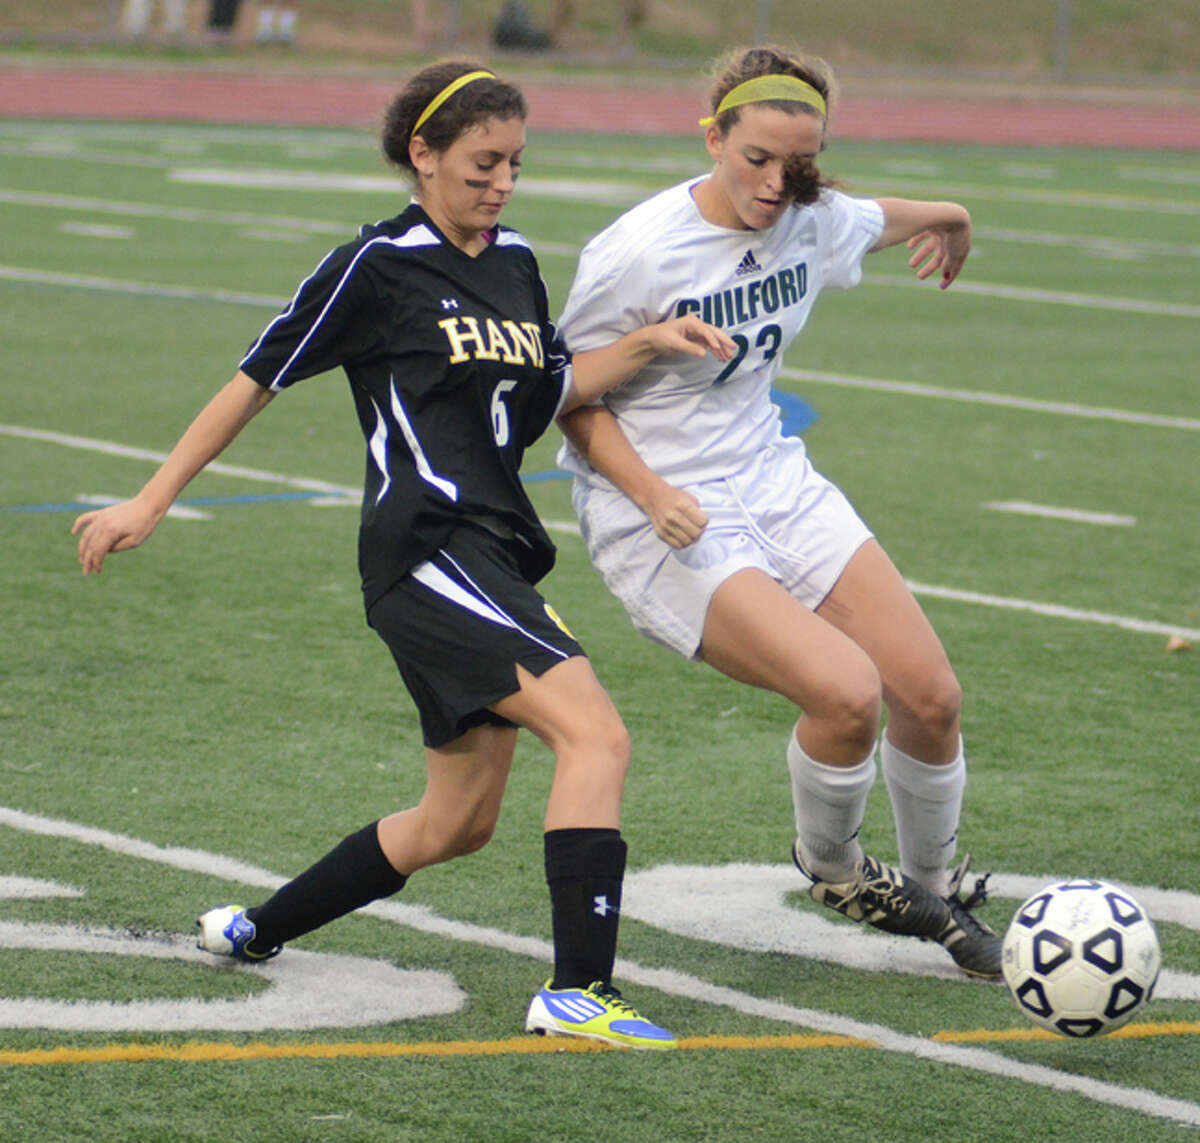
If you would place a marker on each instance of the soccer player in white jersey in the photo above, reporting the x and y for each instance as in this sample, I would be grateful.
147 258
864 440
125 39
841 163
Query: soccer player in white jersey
718 536
440 320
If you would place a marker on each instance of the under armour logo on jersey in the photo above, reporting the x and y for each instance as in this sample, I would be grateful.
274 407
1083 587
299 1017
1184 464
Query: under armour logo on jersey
748 265
449 303
603 908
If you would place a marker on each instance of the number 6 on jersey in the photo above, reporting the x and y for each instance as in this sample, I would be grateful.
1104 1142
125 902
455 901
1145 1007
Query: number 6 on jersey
500 429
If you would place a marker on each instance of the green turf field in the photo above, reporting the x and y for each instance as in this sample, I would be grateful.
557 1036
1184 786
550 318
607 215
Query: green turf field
212 713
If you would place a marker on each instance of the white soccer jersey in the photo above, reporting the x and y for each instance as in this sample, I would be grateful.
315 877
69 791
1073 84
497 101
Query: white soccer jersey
698 418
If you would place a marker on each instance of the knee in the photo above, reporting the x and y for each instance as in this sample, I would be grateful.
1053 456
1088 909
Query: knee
617 747
448 839
596 759
473 837
846 716
601 737
937 706
858 713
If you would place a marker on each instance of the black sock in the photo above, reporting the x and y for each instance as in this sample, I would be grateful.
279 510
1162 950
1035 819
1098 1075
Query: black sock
352 874
584 869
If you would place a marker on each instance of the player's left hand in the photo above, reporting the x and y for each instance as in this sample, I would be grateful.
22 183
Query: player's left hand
943 249
676 515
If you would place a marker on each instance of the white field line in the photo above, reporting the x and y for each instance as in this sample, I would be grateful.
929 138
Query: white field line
145 289
1075 515
90 445
1042 297
1052 610
96 230
1094 244
170 213
668 981
195 293
1112 247
1160 175
177 511
274 178
65 147
1047 609
1136 204
189 134
1030 404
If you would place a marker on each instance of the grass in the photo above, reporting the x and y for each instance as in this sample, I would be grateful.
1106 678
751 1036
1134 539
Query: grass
218 689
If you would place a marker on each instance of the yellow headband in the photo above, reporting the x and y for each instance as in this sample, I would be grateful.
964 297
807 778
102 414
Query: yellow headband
445 94
766 87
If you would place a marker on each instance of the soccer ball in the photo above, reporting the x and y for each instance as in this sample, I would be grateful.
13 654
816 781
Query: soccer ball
1081 958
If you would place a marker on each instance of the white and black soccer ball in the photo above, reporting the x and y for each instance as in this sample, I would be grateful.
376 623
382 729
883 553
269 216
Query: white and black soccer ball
1081 958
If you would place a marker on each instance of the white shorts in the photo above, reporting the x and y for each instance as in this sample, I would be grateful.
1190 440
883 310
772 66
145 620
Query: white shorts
779 515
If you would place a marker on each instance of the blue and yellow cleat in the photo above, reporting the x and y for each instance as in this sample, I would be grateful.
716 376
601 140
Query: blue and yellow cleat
226 931
597 1012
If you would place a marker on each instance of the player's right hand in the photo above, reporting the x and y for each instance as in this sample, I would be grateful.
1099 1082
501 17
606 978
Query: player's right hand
116 528
690 335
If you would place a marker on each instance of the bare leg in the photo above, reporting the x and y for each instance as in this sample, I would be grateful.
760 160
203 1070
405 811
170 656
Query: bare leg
756 633
872 605
922 755
458 811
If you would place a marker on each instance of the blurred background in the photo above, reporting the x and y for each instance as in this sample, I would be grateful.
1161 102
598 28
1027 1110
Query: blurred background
1124 43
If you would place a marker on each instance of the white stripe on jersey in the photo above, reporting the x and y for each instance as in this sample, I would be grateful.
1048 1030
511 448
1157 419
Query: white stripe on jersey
378 446
512 238
277 380
479 603
417 236
438 581
447 487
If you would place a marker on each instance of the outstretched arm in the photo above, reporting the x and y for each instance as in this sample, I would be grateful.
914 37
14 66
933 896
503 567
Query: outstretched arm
596 371
675 514
938 233
120 527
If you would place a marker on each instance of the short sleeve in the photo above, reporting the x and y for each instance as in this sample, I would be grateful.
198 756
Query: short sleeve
855 225
322 327
605 302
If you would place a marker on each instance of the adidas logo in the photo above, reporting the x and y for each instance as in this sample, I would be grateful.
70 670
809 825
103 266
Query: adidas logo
748 265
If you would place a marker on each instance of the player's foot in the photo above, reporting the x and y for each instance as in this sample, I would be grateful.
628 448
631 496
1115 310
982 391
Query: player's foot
597 1012
974 947
883 897
227 931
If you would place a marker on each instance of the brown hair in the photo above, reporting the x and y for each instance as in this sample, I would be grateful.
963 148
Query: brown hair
802 179
481 99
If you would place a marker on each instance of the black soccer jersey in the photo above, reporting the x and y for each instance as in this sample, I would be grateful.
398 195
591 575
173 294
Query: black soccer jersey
455 368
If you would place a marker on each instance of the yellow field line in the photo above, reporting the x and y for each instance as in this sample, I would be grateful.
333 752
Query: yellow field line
1129 1032
205 1052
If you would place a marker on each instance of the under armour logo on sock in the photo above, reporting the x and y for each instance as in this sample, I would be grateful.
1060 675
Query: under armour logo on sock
603 907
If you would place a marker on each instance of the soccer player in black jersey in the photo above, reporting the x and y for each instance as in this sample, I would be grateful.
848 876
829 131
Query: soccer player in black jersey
439 318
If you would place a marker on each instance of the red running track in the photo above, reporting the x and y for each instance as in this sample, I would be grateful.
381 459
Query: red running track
190 95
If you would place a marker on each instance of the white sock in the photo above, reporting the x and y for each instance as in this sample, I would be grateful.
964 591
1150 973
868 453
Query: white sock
287 25
830 803
926 804
266 22
175 17
135 17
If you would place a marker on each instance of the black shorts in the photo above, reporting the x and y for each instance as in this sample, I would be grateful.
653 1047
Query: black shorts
457 626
